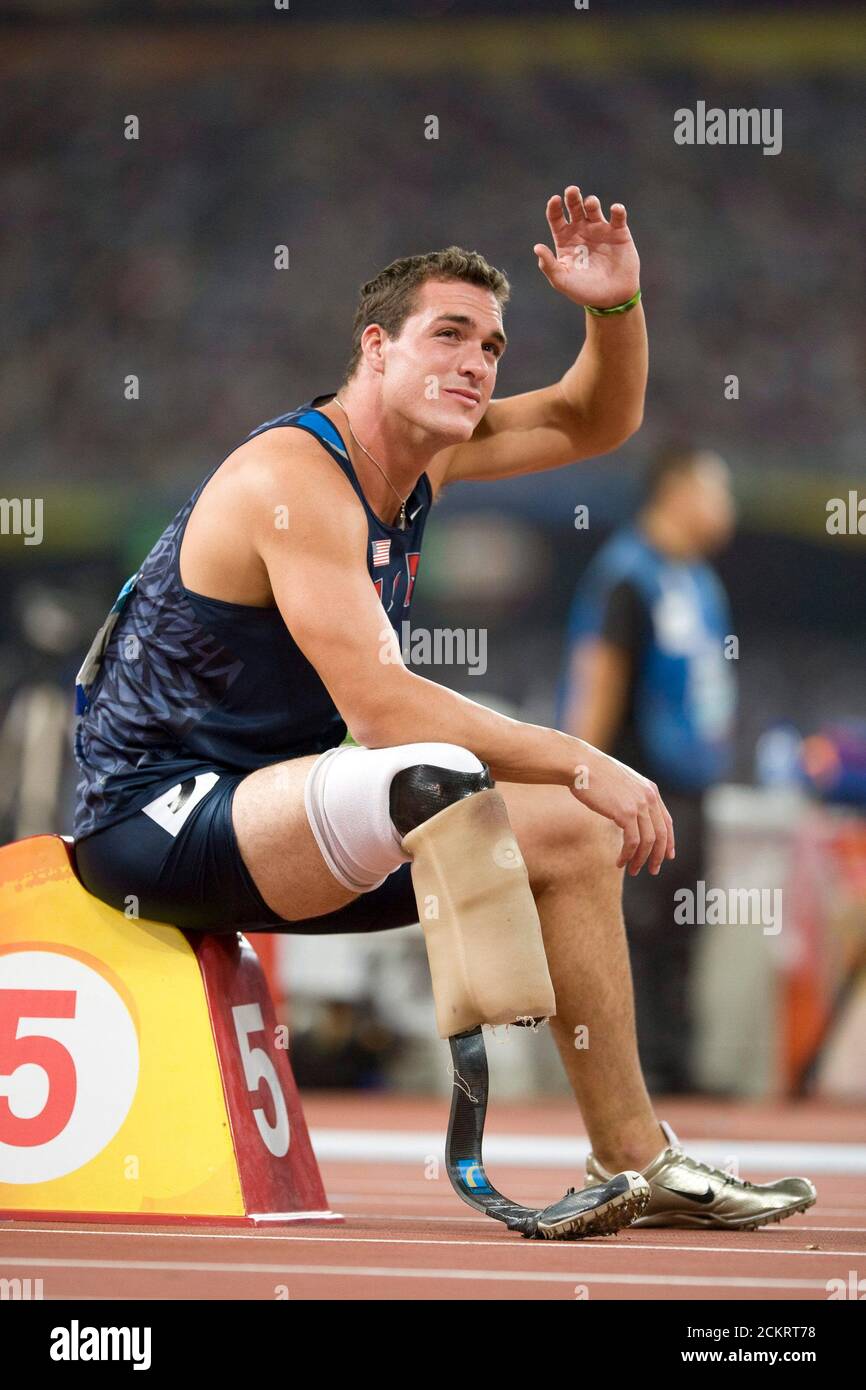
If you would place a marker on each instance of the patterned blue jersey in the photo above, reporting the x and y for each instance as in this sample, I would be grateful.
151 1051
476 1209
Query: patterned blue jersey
174 681
673 618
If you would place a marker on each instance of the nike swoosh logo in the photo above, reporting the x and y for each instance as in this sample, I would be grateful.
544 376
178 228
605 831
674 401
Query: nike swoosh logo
702 1197
413 515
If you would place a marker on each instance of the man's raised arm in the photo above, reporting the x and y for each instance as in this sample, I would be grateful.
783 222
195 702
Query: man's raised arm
599 401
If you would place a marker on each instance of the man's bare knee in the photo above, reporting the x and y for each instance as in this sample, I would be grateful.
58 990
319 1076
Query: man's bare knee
561 840
600 842
590 858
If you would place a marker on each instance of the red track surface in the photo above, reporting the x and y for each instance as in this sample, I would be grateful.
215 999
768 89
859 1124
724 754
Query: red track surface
407 1236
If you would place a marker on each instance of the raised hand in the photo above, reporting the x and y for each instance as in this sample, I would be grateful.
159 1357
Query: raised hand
595 261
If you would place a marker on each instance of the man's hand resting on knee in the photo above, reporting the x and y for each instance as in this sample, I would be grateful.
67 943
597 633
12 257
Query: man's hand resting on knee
632 802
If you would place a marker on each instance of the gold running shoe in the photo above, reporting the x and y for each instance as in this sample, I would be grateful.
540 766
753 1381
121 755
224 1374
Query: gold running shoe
685 1192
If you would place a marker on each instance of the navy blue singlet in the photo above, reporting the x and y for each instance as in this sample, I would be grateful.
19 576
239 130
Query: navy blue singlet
174 681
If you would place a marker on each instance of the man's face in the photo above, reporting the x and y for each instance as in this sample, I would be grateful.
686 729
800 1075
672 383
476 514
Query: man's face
441 371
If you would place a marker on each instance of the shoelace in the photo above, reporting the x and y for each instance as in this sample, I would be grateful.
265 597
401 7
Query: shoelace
714 1172
679 1155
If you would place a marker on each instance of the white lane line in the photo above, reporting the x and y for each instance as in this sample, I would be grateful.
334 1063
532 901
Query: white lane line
459 1215
791 1226
560 1151
486 1275
550 1246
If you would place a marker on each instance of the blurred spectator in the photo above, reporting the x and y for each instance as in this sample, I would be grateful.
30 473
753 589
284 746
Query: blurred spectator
650 681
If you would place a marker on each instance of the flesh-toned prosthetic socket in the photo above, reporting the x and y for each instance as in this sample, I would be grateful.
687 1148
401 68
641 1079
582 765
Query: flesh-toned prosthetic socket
480 922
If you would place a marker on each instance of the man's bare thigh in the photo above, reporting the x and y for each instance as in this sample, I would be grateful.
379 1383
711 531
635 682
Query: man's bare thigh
280 850
278 846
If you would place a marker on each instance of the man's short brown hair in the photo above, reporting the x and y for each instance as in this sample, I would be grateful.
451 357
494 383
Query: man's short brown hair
391 296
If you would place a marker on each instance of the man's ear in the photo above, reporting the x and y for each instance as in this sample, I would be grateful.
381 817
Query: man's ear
373 338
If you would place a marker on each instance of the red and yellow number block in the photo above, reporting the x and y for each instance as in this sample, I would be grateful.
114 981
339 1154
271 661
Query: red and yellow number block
141 1072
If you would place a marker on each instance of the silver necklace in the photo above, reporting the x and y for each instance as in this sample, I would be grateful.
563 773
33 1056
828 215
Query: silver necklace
402 523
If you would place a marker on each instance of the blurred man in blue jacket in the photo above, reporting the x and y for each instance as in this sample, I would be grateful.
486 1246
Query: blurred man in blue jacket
650 679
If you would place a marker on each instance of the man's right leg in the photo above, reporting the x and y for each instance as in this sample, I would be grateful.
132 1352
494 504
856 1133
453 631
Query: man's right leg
316 832
308 842
278 846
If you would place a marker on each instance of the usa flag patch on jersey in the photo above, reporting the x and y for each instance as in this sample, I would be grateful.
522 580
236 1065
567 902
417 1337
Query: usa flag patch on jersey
381 553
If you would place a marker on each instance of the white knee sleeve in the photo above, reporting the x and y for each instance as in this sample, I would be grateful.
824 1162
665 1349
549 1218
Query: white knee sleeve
346 795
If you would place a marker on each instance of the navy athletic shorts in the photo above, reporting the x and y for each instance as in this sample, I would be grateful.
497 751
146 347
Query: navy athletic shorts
179 858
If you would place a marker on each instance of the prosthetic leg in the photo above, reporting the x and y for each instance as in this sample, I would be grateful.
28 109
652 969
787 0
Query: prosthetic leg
488 965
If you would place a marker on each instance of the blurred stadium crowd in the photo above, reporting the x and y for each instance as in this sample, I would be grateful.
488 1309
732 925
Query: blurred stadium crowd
156 255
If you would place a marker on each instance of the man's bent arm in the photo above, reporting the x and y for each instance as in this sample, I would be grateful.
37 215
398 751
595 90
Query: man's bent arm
592 409
411 709
606 386
598 403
